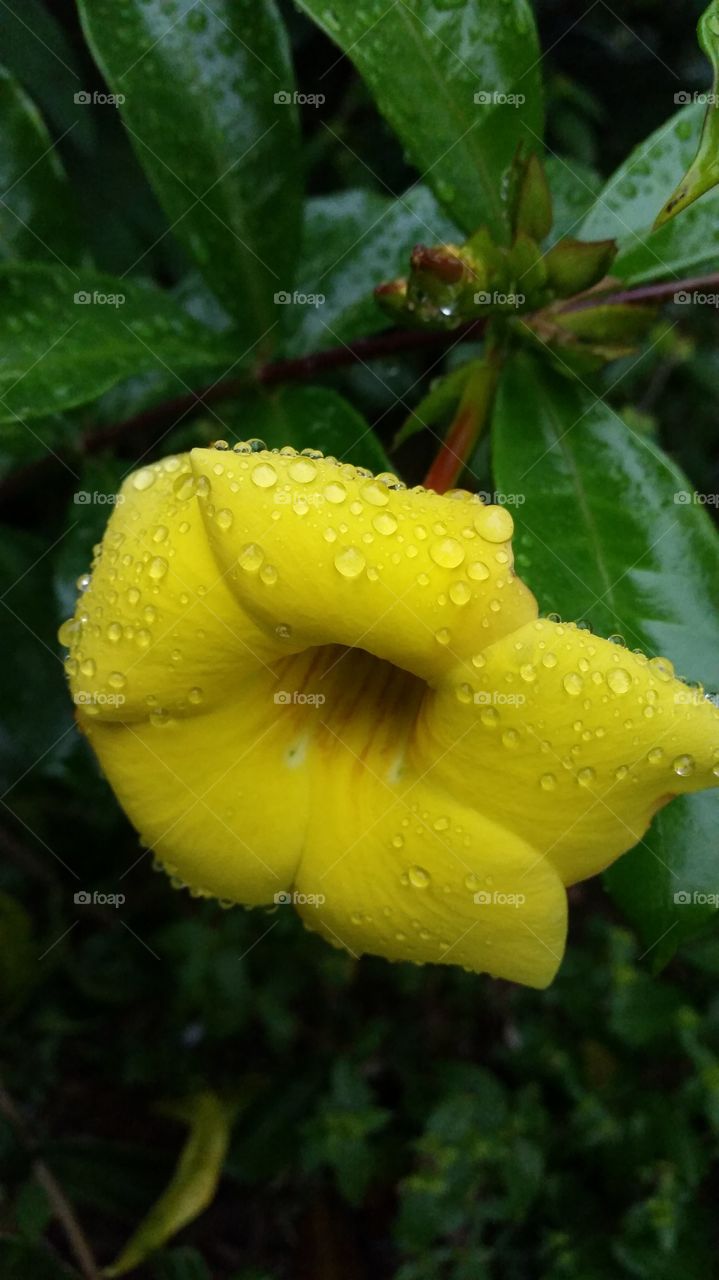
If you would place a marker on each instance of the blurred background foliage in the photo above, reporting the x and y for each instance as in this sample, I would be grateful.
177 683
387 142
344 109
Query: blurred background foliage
419 1123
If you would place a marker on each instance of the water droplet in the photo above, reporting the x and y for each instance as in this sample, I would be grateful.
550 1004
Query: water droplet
335 492
510 738
398 841
269 574
87 668
459 593
528 673
263 475
655 756
302 471
157 568
441 824
374 493
549 660
384 523
548 782
478 571
573 684
116 680
250 557
160 533
585 776
418 877
682 765
143 479
495 524
448 553
443 636
350 562
619 680
185 487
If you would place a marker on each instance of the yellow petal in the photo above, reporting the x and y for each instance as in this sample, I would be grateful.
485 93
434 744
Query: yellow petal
573 741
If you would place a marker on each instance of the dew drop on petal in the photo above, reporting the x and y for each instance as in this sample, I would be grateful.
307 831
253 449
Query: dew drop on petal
683 765
448 553
459 593
495 524
619 680
573 684
302 471
263 475
251 557
548 782
350 562
418 877
143 479
157 568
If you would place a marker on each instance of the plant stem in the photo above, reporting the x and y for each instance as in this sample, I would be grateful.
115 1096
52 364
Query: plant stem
470 420
61 1206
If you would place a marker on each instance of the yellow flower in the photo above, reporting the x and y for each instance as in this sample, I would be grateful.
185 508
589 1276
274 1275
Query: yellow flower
306 682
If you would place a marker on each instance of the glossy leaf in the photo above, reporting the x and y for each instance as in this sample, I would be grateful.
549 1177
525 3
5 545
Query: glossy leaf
193 1185
703 172
206 104
38 53
574 187
37 216
624 547
459 83
65 338
352 242
627 206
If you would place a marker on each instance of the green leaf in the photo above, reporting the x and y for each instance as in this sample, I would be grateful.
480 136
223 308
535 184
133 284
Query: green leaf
607 531
39 54
574 187
677 859
703 172
627 206
441 73
65 338
205 104
350 243
37 216
308 418
193 1185
37 724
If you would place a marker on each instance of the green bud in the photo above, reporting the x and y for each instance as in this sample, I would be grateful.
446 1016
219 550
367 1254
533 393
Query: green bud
576 265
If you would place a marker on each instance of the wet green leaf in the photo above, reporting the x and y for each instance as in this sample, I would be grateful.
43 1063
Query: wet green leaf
703 173
207 100
458 82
